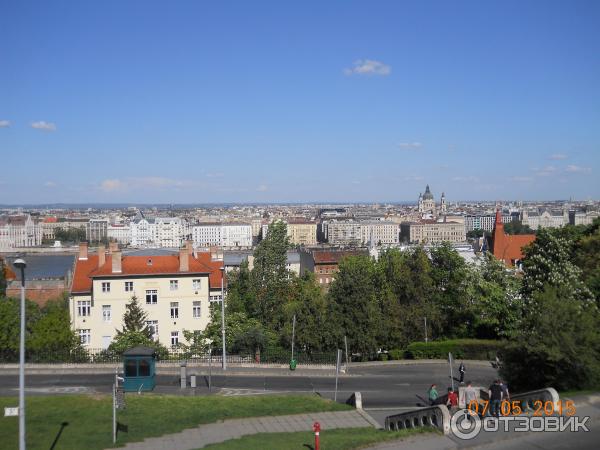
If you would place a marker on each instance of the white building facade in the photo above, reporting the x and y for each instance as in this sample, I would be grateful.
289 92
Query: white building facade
19 231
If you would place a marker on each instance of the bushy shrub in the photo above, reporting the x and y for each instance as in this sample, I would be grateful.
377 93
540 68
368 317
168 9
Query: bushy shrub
396 353
460 348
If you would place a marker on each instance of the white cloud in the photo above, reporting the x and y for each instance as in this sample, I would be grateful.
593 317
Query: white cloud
50 184
519 179
577 169
4 123
467 179
545 171
368 67
262 188
410 145
558 156
414 178
111 185
43 125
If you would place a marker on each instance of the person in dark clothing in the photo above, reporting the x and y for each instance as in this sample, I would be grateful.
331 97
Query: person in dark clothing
461 371
495 393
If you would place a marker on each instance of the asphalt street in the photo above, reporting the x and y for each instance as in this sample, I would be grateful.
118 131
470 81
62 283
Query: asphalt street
382 387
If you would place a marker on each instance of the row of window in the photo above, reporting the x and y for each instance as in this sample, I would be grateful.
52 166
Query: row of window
84 309
173 285
85 335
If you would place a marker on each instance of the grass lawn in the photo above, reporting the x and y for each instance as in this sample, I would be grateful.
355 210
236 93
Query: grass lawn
342 439
89 417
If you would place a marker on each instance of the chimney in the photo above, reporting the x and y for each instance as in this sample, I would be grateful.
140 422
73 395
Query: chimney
184 262
113 247
189 245
101 255
83 251
116 262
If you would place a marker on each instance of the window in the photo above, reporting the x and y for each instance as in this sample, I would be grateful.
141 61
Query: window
196 284
85 337
196 310
174 338
153 327
106 313
129 286
105 286
151 296
174 285
174 310
84 307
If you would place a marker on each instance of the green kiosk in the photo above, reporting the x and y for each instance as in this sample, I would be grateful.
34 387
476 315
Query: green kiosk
139 364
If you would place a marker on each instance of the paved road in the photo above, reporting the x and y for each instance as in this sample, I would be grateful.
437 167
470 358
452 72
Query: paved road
381 386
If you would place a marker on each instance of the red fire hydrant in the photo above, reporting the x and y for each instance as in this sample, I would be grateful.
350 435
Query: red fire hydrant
316 429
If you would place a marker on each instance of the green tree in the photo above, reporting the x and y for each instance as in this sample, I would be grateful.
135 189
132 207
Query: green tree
585 256
517 227
309 307
238 330
51 334
134 320
10 326
270 278
353 309
558 344
129 339
493 300
548 261
449 271
240 296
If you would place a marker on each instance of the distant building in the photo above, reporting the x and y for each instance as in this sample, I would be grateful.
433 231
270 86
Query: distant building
432 231
142 231
343 233
235 234
484 221
169 232
19 231
119 233
508 248
584 218
379 232
326 263
545 218
97 230
299 231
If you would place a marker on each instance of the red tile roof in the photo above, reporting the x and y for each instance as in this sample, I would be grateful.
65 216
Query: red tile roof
86 270
508 248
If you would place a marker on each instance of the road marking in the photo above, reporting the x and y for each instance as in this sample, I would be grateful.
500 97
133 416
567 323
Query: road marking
58 390
402 384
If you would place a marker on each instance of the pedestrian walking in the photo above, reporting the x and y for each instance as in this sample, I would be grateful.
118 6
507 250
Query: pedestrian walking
461 371
432 394
452 401
505 393
495 394
470 396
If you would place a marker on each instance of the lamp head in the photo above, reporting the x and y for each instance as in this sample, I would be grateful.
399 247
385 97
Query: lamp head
20 263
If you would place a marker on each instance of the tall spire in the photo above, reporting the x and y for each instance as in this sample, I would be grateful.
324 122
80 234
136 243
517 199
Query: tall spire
498 217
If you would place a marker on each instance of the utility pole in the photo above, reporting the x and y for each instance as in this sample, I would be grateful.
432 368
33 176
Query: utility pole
425 319
293 334
224 362
21 264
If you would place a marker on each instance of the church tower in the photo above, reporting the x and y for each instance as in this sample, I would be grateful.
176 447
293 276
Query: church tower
443 207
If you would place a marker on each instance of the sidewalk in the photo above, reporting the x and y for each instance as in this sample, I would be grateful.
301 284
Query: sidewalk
213 433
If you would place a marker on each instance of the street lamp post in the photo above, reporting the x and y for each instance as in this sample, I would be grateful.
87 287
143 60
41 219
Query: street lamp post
20 264
224 359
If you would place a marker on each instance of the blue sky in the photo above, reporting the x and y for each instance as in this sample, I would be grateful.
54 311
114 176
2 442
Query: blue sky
141 101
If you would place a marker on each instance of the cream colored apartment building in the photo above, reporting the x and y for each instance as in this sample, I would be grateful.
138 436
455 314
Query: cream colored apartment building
430 231
174 290
302 232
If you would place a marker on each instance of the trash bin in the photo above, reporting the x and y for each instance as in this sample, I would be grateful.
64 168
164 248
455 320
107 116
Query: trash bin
139 368
293 364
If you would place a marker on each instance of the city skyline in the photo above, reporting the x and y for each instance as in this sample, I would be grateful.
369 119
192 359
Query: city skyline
343 102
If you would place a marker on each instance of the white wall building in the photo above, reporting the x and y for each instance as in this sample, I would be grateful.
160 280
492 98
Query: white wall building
19 231
142 232
119 233
380 232
222 234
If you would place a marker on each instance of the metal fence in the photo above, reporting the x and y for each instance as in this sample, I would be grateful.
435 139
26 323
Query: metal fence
96 355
